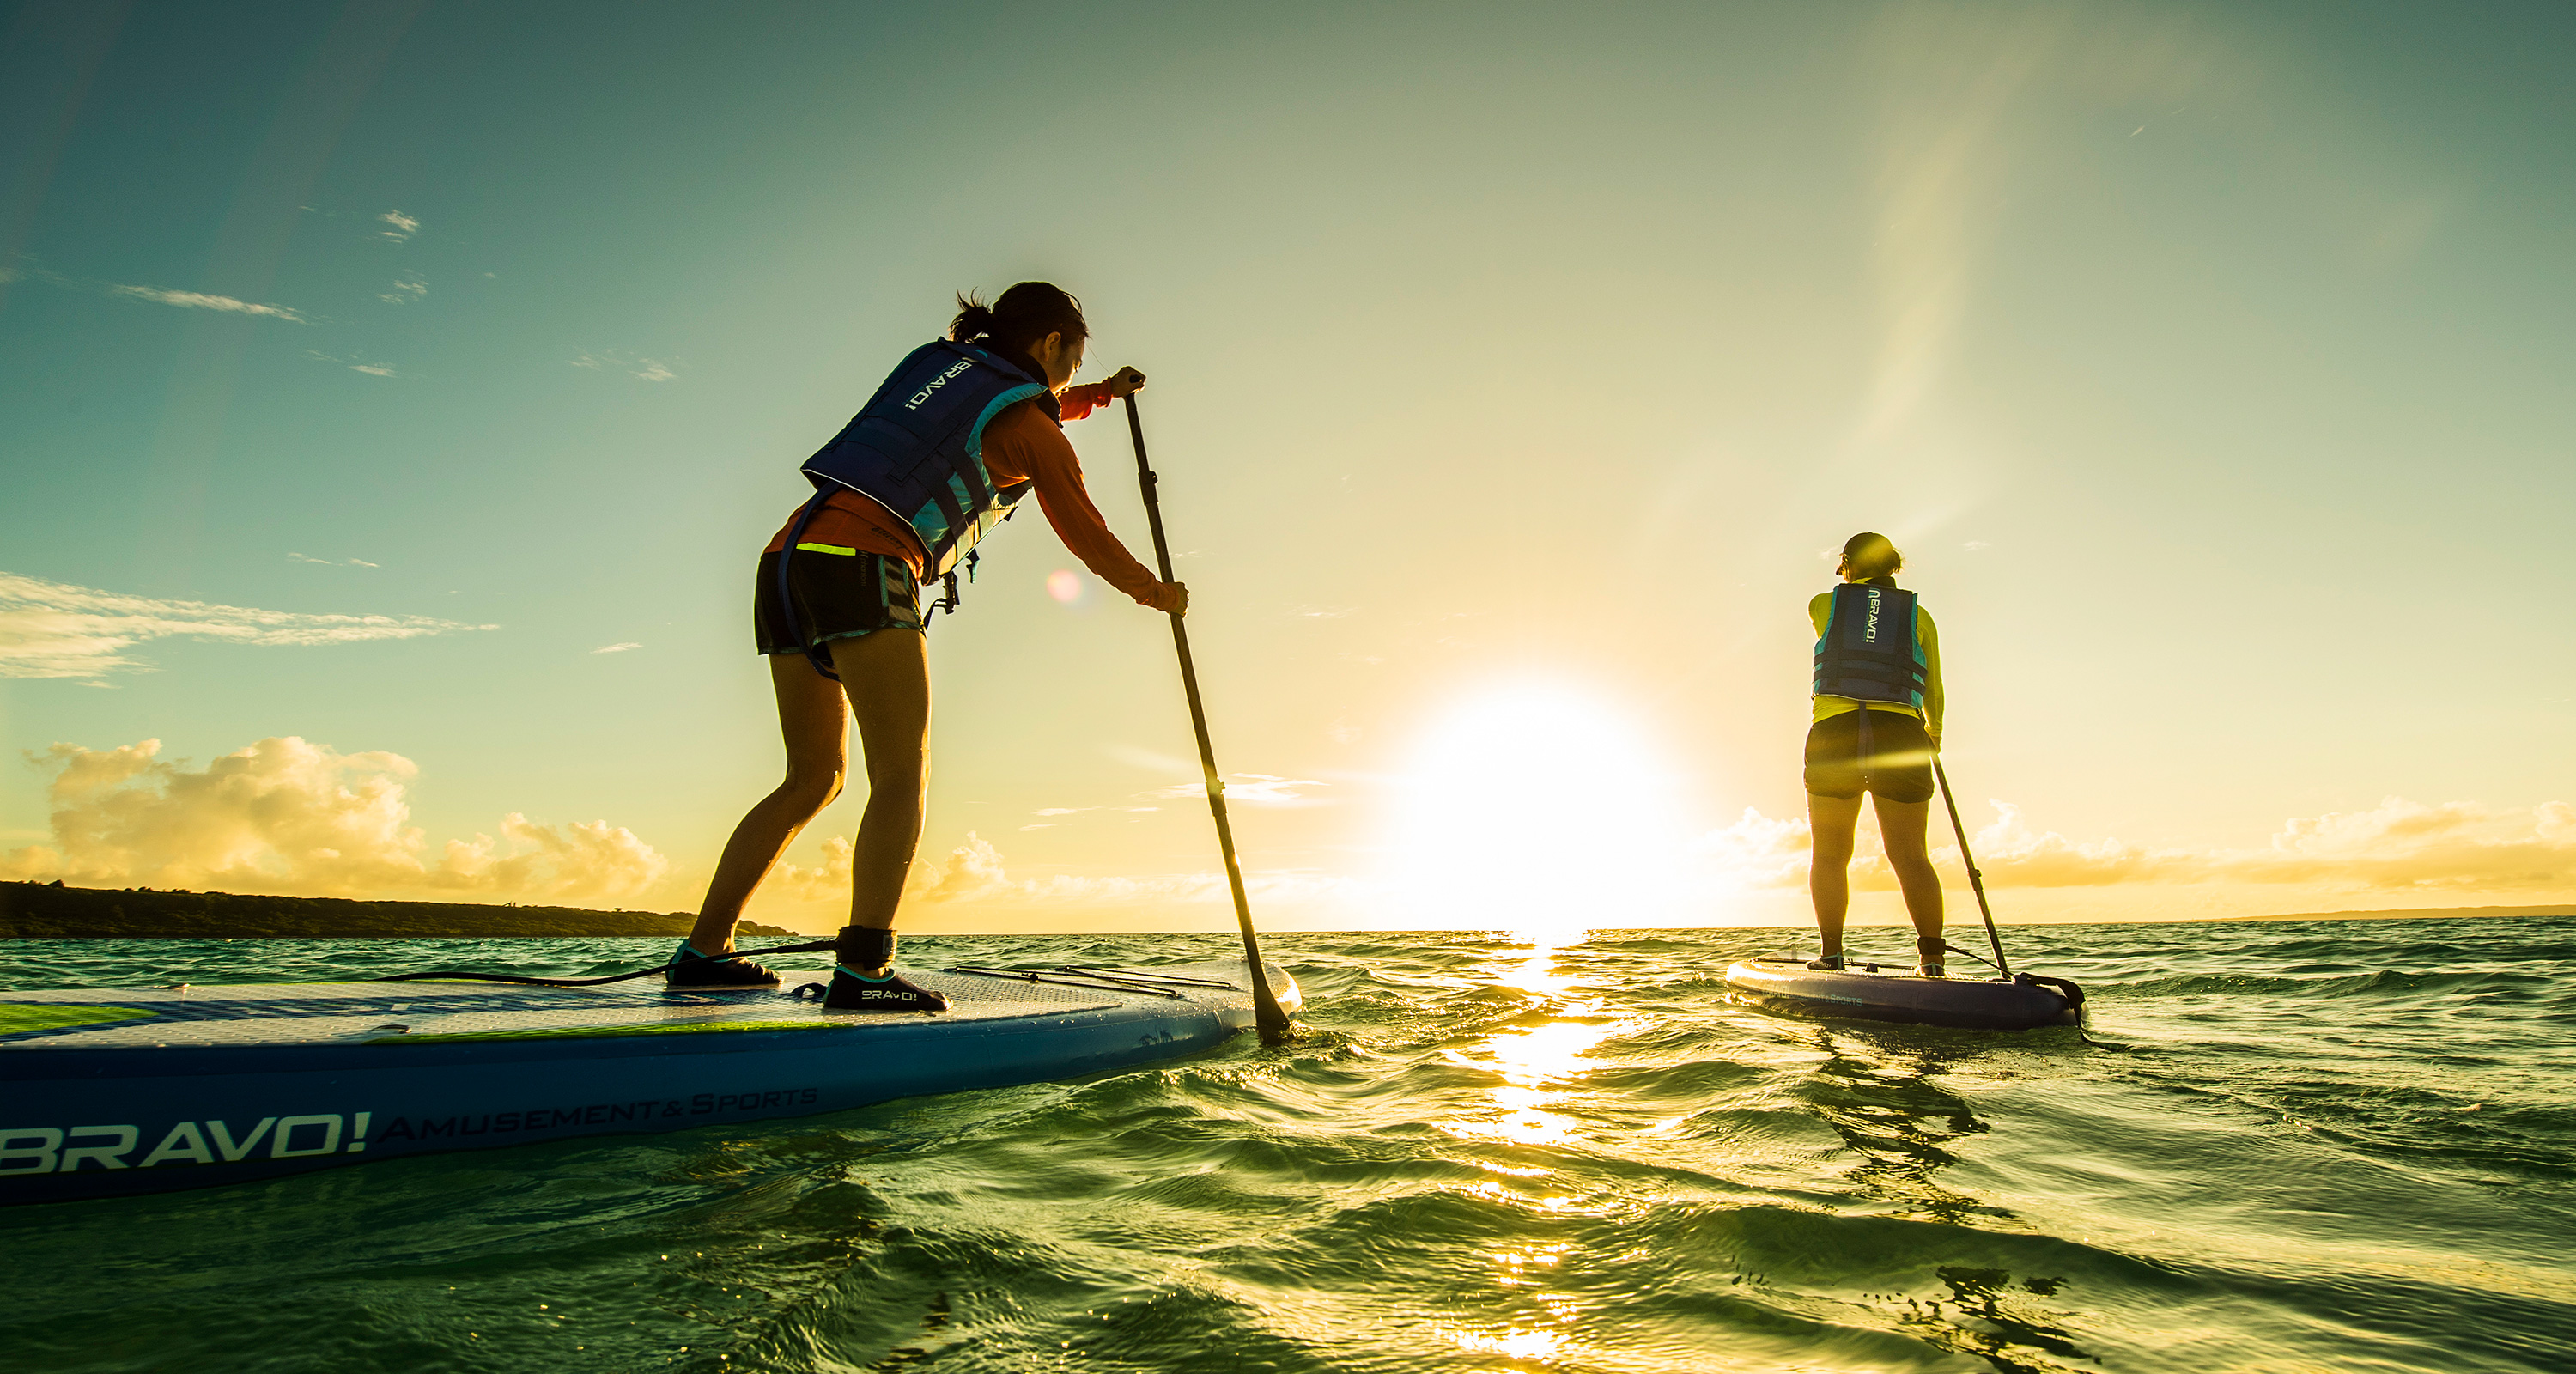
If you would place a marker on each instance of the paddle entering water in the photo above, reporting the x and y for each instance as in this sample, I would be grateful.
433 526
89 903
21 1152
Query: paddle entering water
1272 1022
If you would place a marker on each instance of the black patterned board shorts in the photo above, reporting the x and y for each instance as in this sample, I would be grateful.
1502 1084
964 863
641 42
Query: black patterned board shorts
1899 766
837 593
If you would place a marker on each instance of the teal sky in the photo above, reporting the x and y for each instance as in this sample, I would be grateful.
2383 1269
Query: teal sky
1514 371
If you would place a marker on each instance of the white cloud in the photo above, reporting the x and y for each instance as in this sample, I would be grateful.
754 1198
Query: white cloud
408 287
1267 788
198 300
973 874
2398 846
643 369
285 815
404 226
1323 612
618 648
1975 544
371 369
52 629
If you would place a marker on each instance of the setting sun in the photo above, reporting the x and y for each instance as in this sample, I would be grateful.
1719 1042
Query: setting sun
1525 809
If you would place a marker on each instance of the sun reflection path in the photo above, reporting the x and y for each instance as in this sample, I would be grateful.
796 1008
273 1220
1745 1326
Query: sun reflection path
1539 1065
1539 1068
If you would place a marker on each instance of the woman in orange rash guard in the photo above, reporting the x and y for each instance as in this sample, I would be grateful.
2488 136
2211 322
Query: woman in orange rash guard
856 574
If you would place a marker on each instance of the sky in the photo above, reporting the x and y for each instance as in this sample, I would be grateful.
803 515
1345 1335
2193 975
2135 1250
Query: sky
395 396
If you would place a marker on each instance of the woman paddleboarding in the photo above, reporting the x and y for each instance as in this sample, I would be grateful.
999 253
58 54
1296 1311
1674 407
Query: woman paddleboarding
960 430
1877 723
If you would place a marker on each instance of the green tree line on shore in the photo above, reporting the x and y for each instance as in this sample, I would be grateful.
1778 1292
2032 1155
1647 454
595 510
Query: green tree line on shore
51 911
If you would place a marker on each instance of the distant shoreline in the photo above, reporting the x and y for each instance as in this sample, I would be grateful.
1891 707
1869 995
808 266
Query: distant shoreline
2429 913
51 911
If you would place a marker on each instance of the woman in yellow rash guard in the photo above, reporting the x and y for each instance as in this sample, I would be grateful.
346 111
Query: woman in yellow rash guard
1877 723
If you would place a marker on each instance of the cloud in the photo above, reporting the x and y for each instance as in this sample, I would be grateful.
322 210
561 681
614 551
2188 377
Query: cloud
404 226
327 563
52 629
1323 612
1758 851
1267 788
371 369
974 874
2397 846
617 648
408 287
198 300
1975 544
289 816
643 369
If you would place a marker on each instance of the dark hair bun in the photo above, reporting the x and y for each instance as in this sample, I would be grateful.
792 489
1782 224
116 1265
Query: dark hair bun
1868 556
1019 317
974 319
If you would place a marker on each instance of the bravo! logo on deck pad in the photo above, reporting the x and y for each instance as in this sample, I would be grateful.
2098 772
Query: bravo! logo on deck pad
69 1149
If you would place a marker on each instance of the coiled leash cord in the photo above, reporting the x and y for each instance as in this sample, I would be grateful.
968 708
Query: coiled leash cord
809 947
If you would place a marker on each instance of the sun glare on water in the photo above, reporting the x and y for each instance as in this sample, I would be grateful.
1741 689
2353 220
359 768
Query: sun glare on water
1540 810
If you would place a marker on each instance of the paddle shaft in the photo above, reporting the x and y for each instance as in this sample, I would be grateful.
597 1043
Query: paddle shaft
1272 1022
1976 880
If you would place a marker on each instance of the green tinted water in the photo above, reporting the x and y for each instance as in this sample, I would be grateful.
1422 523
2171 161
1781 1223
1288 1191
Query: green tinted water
2335 1146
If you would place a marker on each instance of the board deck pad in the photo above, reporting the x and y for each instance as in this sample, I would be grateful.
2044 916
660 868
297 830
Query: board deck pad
253 1014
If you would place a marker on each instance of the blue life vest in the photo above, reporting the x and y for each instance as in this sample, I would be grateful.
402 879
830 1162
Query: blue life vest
1869 651
917 447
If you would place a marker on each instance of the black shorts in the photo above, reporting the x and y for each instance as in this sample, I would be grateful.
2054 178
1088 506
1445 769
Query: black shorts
1898 768
836 595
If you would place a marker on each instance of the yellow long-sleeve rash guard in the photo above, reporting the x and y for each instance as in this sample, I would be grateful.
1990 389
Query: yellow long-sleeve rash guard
1926 634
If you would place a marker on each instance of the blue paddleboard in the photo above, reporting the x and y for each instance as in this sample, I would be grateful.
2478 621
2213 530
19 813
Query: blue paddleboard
111 1091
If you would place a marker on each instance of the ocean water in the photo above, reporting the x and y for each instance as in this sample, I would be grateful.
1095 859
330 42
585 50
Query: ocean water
2330 1146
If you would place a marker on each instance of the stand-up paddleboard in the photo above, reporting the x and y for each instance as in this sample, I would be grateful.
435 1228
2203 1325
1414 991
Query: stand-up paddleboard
110 1091
1790 987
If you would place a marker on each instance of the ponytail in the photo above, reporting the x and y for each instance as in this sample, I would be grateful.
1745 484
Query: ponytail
974 319
1018 318
1872 558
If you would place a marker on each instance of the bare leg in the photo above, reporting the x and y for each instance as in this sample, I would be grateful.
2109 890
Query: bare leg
1901 827
816 731
1830 822
886 676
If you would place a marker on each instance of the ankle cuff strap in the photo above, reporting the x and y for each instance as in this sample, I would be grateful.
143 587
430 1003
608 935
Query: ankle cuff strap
866 946
846 970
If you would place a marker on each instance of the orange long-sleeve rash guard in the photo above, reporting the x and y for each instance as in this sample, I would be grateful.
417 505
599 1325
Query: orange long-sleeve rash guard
1022 444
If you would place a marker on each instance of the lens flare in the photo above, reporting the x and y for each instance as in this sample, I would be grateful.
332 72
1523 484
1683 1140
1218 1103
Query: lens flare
1065 585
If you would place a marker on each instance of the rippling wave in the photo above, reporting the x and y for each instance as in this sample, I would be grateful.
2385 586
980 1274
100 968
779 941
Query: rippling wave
2330 1146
